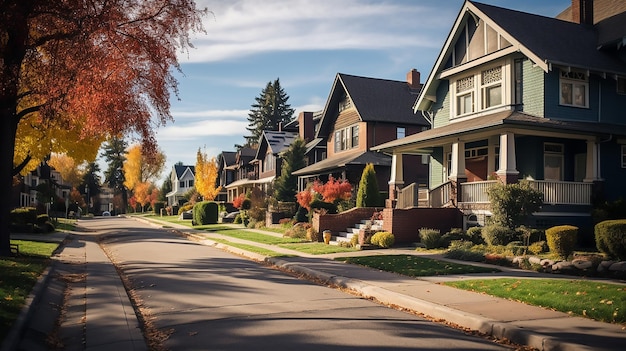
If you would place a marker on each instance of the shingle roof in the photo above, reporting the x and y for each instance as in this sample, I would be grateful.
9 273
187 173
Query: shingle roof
229 158
180 169
375 100
354 158
553 40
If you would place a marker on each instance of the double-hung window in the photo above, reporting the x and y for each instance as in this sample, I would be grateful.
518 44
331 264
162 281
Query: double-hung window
491 87
347 138
480 91
465 96
574 89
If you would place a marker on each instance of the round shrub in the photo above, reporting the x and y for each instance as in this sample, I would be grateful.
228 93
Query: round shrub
611 238
497 235
538 247
383 239
474 234
205 212
562 240
430 238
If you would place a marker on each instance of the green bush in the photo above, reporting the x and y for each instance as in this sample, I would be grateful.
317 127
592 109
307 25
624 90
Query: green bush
185 208
463 250
562 240
430 238
474 235
495 234
383 239
538 247
611 238
246 204
23 216
158 206
368 193
321 205
205 212
512 203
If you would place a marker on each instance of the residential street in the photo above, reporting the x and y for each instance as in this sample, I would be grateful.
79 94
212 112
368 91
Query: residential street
207 299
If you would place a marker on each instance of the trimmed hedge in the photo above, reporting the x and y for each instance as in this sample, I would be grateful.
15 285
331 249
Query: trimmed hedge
158 206
611 238
205 212
383 239
430 238
23 216
562 240
497 235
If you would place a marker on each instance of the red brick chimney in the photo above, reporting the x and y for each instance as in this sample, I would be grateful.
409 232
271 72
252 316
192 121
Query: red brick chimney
306 128
582 11
413 79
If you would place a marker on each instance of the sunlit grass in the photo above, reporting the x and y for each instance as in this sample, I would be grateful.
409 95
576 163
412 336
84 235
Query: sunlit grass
591 299
253 236
414 266
251 248
316 248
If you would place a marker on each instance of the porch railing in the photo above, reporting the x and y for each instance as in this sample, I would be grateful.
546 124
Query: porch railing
440 195
476 192
563 193
408 196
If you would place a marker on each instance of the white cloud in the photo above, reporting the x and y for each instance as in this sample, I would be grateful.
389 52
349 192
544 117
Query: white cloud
226 114
247 27
201 129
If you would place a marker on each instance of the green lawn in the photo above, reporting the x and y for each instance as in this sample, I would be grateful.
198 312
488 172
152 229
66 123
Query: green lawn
317 248
251 248
18 276
252 236
591 299
414 266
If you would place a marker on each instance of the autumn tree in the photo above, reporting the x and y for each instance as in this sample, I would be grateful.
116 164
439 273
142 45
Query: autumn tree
92 69
286 185
90 185
70 171
206 176
269 112
138 168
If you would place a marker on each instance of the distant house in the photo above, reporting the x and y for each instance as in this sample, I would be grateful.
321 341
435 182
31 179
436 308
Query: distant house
244 172
268 158
183 178
515 96
361 113
226 172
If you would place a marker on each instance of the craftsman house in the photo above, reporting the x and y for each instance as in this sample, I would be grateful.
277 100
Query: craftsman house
361 113
516 96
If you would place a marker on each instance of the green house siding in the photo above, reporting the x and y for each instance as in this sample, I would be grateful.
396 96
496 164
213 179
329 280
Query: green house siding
436 167
442 106
555 110
532 89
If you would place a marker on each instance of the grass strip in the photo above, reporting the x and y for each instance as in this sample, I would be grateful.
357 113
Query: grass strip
415 266
253 236
600 301
18 275
316 248
251 248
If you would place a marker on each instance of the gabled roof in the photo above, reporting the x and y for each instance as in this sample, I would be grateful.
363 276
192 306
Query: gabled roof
375 100
275 141
228 158
544 40
181 169
245 155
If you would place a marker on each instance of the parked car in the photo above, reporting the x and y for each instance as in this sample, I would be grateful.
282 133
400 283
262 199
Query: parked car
230 217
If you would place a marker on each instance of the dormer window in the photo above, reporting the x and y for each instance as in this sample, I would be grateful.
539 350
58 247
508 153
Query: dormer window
465 95
574 89
492 87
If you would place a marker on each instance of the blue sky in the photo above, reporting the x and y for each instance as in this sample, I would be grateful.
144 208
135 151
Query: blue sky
304 43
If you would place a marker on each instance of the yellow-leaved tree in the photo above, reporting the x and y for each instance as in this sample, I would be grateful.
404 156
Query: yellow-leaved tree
206 176
138 168
71 172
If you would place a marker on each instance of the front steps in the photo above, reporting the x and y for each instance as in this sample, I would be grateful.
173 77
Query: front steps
346 237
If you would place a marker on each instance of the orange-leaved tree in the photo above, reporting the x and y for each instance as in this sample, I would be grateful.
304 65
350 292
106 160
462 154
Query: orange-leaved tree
206 176
333 190
96 68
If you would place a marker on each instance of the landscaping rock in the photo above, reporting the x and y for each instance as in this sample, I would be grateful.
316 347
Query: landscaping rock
582 264
547 262
562 266
518 260
534 260
618 267
604 266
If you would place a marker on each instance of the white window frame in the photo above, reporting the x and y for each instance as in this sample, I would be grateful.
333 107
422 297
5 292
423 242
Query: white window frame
400 132
569 83
471 91
346 138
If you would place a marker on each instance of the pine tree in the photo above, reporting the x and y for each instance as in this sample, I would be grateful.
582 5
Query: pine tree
286 185
269 112
368 193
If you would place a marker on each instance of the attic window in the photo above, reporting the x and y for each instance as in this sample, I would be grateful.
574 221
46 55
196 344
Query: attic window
621 85
574 89
345 104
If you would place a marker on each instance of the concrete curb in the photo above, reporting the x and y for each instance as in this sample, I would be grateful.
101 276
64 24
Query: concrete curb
13 338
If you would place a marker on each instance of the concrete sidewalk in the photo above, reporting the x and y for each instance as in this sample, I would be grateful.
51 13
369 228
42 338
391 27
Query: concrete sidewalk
99 304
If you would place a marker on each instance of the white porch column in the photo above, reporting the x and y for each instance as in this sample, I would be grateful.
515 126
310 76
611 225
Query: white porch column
592 168
396 180
492 142
457 167
508 167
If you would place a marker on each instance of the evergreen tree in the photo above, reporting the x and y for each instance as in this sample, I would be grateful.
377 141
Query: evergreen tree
166 188
269 112
368 193
115 154
286 185
90 186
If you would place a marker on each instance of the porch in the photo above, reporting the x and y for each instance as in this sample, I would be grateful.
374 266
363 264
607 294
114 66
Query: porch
474 194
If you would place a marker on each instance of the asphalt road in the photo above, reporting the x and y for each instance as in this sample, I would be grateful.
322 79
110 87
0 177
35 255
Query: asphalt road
202 298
